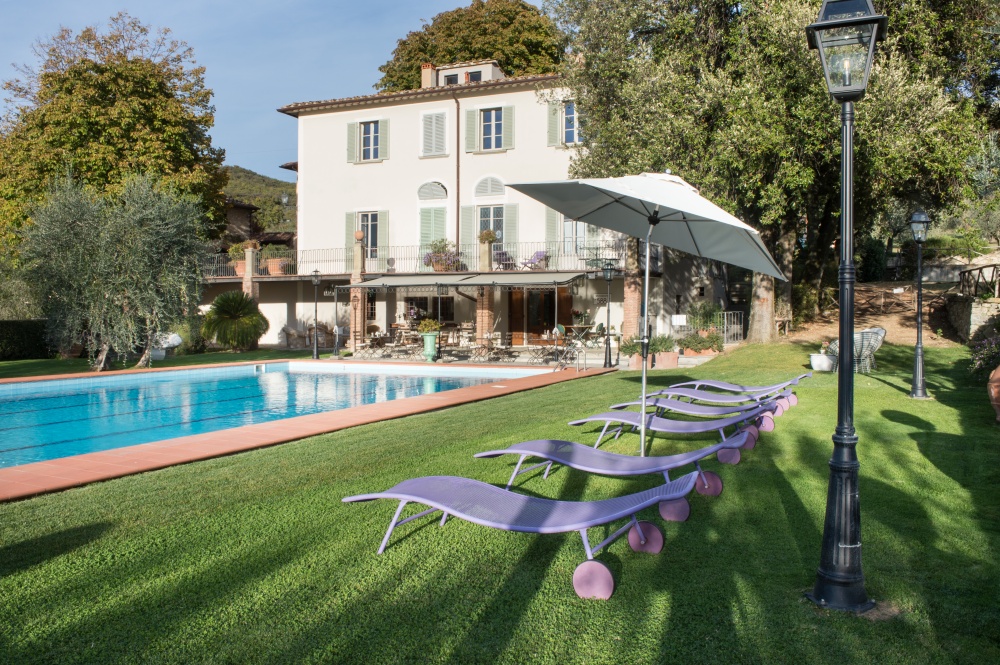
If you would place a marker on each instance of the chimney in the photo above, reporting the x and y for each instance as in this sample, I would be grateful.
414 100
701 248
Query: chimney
428 75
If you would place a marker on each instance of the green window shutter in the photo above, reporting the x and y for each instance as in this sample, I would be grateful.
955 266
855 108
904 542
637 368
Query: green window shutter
439 216
469 226
350 226
510 224
555 112
508 127
433 134
352 142
383 238
551 227
426 227
383 141
471 131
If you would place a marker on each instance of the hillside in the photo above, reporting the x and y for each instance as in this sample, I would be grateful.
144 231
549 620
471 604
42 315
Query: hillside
265 193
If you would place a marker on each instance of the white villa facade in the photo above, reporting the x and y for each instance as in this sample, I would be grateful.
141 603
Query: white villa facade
380 177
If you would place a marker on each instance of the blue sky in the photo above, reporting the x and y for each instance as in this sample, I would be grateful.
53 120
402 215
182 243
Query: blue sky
258 55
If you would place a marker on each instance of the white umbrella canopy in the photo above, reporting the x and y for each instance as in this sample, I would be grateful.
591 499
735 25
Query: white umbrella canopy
687 221
666 210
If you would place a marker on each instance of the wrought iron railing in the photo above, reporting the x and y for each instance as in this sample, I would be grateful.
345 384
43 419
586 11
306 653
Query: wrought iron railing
729 325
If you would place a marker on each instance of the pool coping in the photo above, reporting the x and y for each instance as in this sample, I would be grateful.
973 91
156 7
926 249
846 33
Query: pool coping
29 480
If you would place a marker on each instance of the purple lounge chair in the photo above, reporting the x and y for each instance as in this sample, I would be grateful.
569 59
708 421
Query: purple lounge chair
707 396
591 460
690 408
753 421
488 505
753 390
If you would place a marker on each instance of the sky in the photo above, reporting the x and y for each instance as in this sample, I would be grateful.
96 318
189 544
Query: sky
259 55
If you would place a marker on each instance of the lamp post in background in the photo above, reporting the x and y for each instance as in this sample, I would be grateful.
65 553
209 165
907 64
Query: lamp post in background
315 281
609 274
845 34
441 291
918 225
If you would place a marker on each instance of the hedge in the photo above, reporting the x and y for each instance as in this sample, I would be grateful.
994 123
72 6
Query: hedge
23 340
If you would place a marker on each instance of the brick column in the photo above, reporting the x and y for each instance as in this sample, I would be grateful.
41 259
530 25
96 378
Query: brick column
359 297
250 287
632 300
485 316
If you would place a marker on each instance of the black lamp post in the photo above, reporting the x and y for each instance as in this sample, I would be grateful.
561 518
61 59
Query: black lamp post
609 274
845 34
918 225
315 280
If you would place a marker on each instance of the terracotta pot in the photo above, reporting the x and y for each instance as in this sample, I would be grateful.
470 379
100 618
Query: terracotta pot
635 362
993 388
276 266
240 267
666 359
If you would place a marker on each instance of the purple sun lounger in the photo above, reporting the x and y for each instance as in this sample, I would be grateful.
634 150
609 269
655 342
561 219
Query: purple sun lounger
591 460
752 390
691 408
488 505
693 395
755 419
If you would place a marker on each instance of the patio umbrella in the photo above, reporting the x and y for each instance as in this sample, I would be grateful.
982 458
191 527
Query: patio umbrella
664 209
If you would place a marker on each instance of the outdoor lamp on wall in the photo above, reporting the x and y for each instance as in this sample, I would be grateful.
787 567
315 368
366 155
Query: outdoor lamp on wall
845 34
315 281
919 223
609 270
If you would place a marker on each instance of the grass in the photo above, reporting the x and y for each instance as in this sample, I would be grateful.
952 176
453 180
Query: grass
253 558
10 369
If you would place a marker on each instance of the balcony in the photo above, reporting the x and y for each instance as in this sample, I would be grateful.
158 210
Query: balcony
409 259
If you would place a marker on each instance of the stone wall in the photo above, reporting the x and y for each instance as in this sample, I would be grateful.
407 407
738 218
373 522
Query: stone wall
967 315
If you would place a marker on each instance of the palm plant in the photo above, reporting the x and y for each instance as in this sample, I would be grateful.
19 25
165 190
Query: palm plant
234 321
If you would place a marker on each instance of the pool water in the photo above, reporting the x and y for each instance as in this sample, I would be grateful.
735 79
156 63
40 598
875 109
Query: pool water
52 419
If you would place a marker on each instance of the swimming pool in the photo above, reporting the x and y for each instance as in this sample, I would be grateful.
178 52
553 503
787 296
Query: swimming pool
45 420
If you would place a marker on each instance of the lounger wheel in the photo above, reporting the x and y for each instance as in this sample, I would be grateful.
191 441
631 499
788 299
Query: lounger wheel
752 434
593 579
651 541
766 423
709 484
729 455
677 510
793 399
783 403
778 409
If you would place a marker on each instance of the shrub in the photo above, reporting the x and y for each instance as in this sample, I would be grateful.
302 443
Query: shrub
23 340
190 331
488 235
631 346
696 342
237 251
985 357
428 326
443 253
870 257
235 321
661 344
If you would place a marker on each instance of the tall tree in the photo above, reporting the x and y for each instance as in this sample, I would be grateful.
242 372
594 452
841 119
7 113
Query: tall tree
728 95
115 271
515 34
107 104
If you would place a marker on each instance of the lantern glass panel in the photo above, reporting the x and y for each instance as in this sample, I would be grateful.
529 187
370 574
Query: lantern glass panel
846 51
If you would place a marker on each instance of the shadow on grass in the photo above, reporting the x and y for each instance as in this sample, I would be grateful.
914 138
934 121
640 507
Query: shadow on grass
23 555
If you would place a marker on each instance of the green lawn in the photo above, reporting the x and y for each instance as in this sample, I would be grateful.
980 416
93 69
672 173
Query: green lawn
253 558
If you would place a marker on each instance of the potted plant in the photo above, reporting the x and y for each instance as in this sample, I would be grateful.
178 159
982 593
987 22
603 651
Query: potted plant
822 361
429 329
661 347
696 345
237 254
442 256
275 258
631 348
488 236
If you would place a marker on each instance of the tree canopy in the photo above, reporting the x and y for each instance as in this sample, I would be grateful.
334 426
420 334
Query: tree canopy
265 193
516 34
729 96
104 105
113 271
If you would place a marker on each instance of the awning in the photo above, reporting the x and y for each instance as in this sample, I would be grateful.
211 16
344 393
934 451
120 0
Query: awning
500 278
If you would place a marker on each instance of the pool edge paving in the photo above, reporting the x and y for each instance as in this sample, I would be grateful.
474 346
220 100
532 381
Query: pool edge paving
28 480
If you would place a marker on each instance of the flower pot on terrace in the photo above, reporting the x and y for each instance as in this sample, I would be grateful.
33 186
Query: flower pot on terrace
635 361
430 345
276 266
240 267
666 359
821 362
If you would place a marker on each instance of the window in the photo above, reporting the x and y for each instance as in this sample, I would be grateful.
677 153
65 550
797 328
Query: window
475 77
369 141
574 235
489 186
491 129
368 223
430 191
701 291
434 142
422 307
491 217
370 306
571 127
451 79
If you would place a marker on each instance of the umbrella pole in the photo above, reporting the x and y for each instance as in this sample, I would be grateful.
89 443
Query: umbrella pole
645 334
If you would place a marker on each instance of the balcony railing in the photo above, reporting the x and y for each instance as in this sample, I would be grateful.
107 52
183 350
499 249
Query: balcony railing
549 256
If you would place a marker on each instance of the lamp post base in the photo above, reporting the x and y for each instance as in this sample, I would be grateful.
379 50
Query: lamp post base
843 597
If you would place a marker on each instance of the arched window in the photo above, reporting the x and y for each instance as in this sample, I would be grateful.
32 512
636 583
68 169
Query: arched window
432 190
489 187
